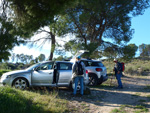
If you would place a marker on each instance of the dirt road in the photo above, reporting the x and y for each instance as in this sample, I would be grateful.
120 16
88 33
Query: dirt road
134 97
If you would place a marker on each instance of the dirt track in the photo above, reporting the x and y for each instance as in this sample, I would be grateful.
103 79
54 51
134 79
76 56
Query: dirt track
136 92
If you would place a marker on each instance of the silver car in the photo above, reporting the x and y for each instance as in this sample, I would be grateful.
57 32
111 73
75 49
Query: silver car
47 73
96 70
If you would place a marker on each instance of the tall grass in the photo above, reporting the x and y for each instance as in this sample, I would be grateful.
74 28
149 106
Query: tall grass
135 67
17 101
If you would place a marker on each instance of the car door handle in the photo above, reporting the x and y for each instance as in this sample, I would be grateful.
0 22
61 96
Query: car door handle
50 73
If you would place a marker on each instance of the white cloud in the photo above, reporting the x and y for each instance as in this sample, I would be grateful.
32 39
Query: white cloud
30 51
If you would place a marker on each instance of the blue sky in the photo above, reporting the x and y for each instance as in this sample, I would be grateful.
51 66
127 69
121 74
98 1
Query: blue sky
141 25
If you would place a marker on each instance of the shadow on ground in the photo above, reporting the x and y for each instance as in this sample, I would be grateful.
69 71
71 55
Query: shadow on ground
135 92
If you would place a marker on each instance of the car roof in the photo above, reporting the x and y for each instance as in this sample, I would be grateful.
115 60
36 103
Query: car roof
56 61
64 61
83 59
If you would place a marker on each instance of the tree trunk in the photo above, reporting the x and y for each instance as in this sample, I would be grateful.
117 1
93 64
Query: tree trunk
52 45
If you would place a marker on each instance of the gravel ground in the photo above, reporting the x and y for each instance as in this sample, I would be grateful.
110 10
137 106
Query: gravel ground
105 98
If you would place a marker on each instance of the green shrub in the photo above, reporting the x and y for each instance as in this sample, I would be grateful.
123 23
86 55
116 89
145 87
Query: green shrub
3 71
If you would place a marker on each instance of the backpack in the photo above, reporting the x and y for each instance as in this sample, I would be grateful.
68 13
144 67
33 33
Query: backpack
78 69
121 66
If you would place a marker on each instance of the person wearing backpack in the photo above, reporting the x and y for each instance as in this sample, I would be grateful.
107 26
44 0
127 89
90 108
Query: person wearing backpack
118 73
78 70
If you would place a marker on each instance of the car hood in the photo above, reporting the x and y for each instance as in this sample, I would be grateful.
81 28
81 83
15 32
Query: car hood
16 72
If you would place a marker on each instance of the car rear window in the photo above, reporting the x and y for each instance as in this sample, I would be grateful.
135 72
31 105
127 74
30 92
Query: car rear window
97 64
91 63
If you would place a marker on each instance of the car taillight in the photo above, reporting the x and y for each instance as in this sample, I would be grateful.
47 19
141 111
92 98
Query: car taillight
98 69
86 71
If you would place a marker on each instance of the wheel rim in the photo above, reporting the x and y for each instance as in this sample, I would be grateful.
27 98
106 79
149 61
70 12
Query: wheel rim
78 86
91 80
20 84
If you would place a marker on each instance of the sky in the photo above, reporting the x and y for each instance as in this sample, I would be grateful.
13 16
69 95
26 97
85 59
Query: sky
140 24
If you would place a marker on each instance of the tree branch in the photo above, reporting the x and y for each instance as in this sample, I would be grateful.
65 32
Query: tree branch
44 38
79 28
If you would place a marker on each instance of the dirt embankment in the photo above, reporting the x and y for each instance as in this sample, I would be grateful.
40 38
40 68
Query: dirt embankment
105 98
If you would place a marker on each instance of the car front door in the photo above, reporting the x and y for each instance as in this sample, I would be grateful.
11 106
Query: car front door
43 74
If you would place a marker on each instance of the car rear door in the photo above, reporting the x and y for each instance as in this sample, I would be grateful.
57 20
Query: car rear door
43 74
65 73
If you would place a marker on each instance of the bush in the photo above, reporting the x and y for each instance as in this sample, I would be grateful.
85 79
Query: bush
3 71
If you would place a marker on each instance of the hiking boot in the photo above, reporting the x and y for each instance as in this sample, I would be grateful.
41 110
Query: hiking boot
118 87
73 95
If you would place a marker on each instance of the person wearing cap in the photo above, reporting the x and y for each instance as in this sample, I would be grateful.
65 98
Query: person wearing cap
77 78
118 73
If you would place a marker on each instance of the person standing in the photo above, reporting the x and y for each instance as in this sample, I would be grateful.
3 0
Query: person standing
118 73
78 70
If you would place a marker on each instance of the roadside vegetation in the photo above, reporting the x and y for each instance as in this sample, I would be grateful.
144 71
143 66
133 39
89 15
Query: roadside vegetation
135 109
17 101
137 66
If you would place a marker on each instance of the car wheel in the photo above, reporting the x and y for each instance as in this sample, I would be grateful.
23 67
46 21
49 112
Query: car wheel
92 80
78 86
20 83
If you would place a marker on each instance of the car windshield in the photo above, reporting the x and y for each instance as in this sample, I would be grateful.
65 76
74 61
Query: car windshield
33 66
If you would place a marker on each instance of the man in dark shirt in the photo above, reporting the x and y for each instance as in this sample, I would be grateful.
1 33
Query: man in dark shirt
77 77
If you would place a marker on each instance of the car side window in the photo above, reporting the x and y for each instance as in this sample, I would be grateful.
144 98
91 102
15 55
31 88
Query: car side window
65 66
85 63
45 66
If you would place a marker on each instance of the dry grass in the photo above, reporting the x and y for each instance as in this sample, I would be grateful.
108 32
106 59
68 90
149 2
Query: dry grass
135 67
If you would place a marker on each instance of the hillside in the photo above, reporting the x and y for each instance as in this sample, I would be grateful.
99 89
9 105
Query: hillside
137 66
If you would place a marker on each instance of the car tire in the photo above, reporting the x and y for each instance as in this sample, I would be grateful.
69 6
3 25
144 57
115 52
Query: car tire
78 86
93 80
72 86
20 83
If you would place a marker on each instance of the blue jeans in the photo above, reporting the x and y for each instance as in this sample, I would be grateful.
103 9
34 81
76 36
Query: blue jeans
76 80
118 76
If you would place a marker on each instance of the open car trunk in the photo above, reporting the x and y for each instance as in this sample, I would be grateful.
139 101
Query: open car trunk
79 53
